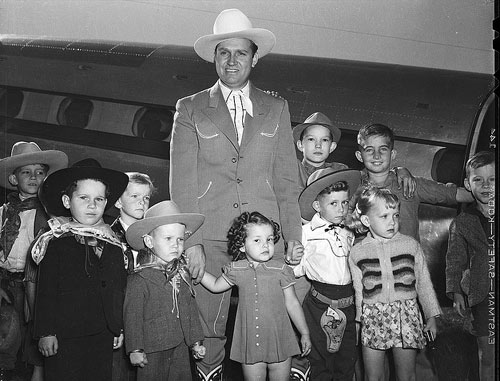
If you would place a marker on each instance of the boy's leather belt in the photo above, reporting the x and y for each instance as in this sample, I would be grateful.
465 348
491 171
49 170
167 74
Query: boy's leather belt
333 303
11 276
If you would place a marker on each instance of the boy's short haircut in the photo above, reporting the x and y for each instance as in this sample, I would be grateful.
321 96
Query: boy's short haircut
45 166
141 178
478 160
375 129
339 186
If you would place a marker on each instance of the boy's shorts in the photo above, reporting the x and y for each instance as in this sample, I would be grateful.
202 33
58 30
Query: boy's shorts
480 318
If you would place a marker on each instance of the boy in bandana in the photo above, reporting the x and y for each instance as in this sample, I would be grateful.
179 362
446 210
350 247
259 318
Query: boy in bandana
22 217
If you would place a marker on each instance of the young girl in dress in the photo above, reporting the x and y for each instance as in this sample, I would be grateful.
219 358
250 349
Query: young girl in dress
389 274
263 339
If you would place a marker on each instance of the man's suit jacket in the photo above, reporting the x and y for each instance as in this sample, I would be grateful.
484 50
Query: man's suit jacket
77 295
211 174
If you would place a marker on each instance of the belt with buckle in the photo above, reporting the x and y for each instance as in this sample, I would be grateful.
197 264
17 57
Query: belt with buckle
333 303
11 276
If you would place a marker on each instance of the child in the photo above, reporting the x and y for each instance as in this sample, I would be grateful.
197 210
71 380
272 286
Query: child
263 339
81 279
470 247
132 205
161 315
316 138
329 306
389 273
376 151
21 218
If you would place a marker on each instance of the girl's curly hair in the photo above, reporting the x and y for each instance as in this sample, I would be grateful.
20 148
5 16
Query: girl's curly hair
237 234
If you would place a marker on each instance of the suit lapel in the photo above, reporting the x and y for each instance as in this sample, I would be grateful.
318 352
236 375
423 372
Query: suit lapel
218 113
255 123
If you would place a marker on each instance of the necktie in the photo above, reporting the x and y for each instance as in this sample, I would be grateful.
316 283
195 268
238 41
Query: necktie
237 109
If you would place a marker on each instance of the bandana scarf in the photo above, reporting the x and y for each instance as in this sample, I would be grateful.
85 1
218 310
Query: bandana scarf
62 225
12 221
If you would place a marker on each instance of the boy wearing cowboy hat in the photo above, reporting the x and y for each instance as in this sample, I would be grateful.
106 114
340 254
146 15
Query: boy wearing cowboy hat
232 151
81 276
22 217
160 312
316 138
329 306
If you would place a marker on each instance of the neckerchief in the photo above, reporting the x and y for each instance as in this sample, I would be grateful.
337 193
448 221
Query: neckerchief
12 221
62 225
174 271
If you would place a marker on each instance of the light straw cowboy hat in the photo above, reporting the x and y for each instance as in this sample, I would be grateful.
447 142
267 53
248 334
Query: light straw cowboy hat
232 23
163 213
26 153
319 180
317 119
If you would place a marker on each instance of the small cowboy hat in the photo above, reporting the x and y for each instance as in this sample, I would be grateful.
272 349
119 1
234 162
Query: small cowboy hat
163 213
26 153
52 188
232 23
316 119
319 180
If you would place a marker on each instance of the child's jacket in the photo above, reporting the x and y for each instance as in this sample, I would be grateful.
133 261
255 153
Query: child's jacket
152 321
468 249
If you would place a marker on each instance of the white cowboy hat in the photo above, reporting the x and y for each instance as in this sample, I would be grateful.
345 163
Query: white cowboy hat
232 23
26 153
319 180
163 213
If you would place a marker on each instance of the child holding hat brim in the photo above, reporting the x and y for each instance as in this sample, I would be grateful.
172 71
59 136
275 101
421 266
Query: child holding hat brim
21 218
161 315
82 276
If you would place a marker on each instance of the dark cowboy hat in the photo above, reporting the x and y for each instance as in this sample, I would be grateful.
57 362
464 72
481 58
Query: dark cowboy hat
319 180
52 188
26 153
317 119
163 213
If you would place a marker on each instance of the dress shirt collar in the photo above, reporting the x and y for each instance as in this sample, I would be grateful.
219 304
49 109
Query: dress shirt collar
244 93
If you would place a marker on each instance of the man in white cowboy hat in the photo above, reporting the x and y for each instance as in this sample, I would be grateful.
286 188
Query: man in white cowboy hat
22 217
231 151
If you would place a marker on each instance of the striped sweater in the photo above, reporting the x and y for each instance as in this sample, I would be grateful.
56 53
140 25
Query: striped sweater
391 270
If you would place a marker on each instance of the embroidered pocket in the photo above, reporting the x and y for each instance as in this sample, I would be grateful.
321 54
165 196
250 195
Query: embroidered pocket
203 136
267 135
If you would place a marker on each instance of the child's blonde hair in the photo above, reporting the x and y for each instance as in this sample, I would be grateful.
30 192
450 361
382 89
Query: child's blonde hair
141 178
367 199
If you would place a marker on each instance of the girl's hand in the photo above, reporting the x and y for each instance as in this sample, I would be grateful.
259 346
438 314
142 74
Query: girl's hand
198 351
294 253
48 346
431 326
305 344
138 359
118 341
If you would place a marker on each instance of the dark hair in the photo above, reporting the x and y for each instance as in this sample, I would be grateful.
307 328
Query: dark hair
141 178
312 125
237 234
478 160
70 189
375 129
253 48
367 199
339 186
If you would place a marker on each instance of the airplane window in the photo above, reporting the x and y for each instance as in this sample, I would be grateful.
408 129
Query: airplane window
153 123
74 112
10 102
